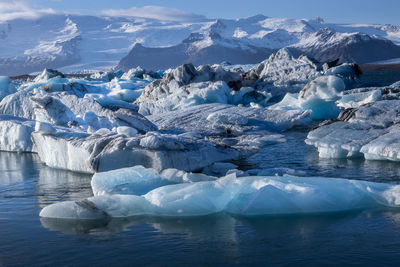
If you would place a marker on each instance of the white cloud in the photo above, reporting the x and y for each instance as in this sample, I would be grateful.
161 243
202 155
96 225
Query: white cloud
14 9
155 12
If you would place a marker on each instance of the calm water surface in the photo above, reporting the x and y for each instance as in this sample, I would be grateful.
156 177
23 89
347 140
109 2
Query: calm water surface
26 186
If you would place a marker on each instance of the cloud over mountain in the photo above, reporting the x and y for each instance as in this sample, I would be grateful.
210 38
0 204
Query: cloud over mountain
155 12
15 9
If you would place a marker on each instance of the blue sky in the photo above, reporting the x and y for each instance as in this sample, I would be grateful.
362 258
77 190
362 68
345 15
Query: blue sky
353 11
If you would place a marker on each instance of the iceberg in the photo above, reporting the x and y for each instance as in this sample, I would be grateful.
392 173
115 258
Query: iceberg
245 196
92 153
283 73
326 94
138 180
320 95
370 131
15 134
69 110
188 86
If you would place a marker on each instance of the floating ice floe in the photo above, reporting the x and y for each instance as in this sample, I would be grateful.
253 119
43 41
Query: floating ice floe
125 193
370 130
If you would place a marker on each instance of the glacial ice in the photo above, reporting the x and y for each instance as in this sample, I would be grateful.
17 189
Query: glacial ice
219 118
356 99
320 95
138 180
95 153
80 127
246 196
326 94
127 131
15 134
370 131
187 86
190 95
70 110
127 181
283 73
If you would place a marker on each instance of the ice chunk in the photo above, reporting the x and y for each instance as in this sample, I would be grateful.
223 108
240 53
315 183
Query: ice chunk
341 139
356 100
94 153
369 131
385 146
187 86
128 181
138 180
15 134
289 102
246 196
127 131
349 72
283 73
186 96
84 209
69 110
133 73
320 96
48 74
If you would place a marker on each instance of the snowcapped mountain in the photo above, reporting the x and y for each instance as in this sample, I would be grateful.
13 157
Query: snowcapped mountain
327 45
77 42
198 49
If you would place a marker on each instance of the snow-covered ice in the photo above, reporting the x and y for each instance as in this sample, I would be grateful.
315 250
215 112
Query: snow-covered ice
219 118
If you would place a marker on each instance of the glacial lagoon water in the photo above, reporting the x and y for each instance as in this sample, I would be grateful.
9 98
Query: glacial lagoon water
364 237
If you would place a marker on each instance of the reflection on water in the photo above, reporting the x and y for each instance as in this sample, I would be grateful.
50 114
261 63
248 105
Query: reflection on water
364 237
15 167
221 226
54 185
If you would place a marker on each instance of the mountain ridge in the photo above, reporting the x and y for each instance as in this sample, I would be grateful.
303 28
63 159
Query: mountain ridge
80 42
